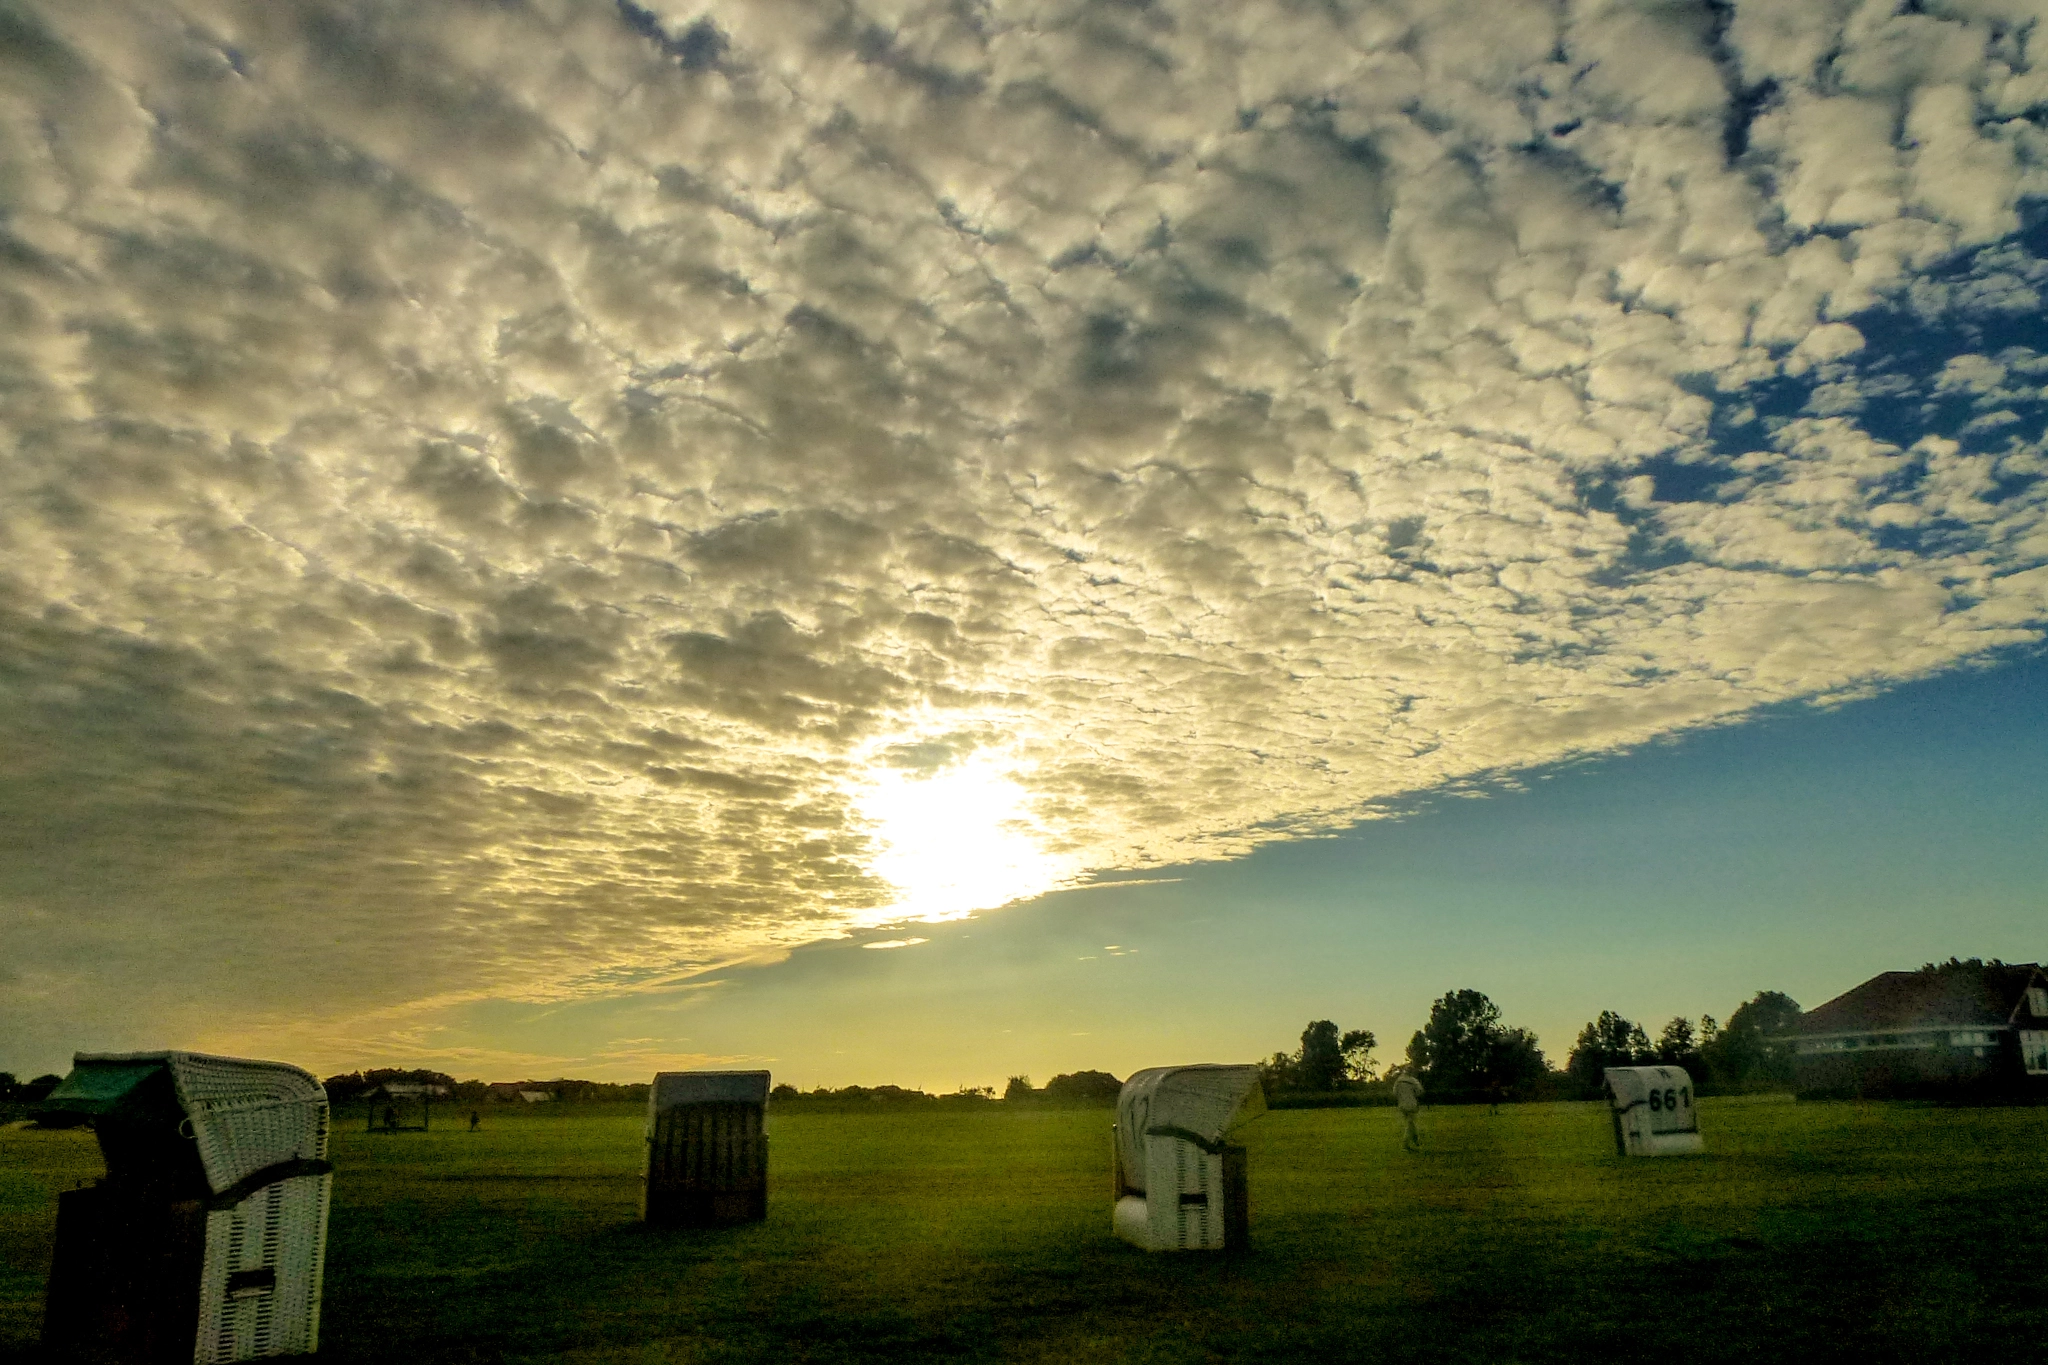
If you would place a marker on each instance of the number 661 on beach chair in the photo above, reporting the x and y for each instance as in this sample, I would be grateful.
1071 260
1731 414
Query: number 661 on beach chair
1653 1111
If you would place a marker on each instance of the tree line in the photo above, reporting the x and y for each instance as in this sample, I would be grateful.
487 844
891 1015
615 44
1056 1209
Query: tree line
13 1090
353 1085
1466 1051
1748 1052
1068 1088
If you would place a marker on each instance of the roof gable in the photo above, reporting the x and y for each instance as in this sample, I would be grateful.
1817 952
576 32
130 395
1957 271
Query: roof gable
1953 993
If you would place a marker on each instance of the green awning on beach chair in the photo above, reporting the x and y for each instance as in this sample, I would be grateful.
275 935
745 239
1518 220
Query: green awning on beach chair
96 1088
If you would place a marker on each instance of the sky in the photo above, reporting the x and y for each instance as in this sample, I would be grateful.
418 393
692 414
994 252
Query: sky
533 534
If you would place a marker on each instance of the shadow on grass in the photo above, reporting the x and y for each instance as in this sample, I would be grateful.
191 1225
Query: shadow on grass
1806 1232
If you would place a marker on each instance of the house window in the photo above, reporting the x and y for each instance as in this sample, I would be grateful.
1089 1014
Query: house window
2037 1001
2034 1048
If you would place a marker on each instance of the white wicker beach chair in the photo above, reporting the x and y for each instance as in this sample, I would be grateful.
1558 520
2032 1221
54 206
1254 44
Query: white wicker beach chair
1654 1110
259 1132
1179 1184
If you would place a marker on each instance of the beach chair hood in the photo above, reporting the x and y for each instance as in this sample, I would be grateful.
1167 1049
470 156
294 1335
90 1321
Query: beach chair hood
245 1117
672 1088
1198 1103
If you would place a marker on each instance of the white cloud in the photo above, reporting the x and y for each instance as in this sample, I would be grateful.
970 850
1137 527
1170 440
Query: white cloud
488 486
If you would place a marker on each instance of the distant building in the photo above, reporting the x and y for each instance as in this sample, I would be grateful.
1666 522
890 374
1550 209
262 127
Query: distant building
1955 1030
516 1091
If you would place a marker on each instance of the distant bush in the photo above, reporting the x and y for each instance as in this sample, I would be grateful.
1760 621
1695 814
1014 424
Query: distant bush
1084 1087
23 1099
353 1085
873 1097
592 1092
1069 1089
1749 1054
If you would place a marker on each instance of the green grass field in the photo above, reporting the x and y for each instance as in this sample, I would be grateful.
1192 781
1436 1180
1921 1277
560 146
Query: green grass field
1895 1232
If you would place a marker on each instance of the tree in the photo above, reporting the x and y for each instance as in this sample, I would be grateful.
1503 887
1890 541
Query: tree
1451 1051
1607 1041
1639 1049
1464 1046
1090 1086
7 1084
34 1091
1515 1061
1319 1065
1019 1088
1357 1046
1676 1045
1327 1060
1751 1049
785 1091
344 1087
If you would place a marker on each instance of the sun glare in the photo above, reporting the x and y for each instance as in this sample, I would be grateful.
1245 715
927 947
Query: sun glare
956 841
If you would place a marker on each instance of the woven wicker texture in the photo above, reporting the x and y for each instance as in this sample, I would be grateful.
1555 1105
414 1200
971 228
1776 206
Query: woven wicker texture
260 1284
282 1228
245 1115
1200 1103
707 1148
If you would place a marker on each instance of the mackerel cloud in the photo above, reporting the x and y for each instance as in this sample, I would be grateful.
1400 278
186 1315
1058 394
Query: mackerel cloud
486 488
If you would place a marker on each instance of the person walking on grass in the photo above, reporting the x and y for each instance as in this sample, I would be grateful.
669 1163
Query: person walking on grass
1408 1098
476 1120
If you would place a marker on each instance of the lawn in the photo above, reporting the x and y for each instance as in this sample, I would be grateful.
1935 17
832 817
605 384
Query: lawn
1896 1232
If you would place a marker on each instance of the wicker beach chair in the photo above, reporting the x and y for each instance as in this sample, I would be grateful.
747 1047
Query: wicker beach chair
707 1148
1654 1110
207 1239
1179 1183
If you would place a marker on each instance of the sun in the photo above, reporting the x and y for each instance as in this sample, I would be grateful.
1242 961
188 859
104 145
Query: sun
956 841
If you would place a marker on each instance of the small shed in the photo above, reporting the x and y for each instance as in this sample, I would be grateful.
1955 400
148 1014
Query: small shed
707 1148
206 1240
1179 1184
401 1107
1653 1110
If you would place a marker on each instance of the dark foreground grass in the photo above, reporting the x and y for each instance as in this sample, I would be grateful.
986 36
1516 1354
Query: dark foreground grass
1893 1232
